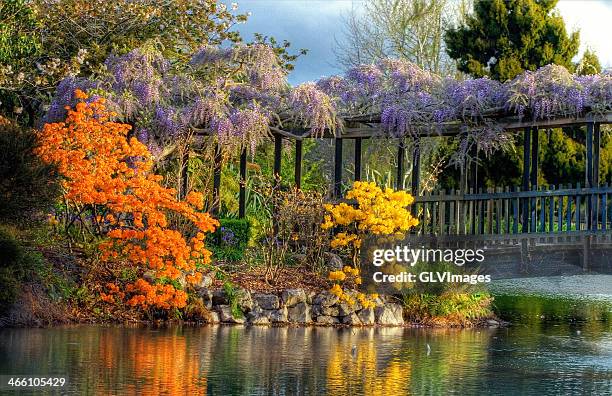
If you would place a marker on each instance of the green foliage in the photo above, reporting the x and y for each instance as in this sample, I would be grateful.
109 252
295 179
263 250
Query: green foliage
230 239
589 64
26 185
233 297
504 37
17 21
10 250
9 288
448 308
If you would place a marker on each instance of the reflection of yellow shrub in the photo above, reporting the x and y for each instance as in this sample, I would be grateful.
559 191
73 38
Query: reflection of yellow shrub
343 369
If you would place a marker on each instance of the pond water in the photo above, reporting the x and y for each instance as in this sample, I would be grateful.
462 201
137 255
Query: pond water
556 346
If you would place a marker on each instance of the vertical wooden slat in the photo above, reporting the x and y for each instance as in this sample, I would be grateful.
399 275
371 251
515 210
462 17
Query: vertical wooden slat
568 214
184 174
604 209
416 168
515 211
442 214
490 213
498 213
542 227
578 209
481 209
560 210
278 147
243 181
507 211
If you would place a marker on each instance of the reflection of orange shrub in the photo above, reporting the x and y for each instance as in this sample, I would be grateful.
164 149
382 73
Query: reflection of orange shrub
156 365
110 177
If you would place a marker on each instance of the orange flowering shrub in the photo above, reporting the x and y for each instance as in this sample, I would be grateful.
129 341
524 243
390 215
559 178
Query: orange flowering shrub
109 185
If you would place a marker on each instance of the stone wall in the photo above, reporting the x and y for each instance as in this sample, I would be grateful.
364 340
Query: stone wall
300 307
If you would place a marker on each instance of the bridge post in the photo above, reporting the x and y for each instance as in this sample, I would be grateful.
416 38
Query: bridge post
357 159
589 174
243 181
216 201
338 167
401 155
298 164
526 178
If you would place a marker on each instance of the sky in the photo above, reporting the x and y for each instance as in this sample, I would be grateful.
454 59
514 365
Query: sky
315 24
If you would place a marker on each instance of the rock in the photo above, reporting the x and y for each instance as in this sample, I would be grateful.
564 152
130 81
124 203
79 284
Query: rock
319 310
292 297
244 300
226 316
278 315
334 262
327 320
310 296
219 297
214 317
267 301
205 283
351 319
300 313
366 316
493 323
347 309
207 297
389 314
258 317
325 299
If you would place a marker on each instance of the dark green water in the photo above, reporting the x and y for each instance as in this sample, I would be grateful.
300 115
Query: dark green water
556 347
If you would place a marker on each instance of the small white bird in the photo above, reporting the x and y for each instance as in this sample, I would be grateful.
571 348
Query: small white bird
354 351
428 350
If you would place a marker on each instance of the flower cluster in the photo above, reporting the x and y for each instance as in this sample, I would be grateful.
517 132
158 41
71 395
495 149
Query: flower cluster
349 276
377 211
109 178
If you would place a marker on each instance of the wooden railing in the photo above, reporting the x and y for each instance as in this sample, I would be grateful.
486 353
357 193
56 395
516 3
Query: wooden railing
504 211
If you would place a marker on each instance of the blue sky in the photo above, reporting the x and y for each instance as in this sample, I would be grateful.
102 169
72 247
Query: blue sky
313 24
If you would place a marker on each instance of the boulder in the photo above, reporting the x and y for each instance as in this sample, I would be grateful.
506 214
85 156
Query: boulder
214 317
257 316
347 309
207 297
351 319
389 314
278 315
327 320
244 300
300 313
205 283
325 299
319 310
366 316
226 316
292 297
267 301
219 297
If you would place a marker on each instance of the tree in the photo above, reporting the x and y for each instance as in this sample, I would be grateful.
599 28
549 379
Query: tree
410 30
589 64
504 37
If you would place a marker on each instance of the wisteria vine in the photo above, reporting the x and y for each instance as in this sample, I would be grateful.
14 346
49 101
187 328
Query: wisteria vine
236 94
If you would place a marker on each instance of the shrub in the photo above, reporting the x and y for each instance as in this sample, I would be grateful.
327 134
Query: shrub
9 288
10 250
112 194
27 186
448 309
229 241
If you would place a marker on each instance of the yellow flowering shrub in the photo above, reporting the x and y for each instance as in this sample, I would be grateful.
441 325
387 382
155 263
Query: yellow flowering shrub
378 212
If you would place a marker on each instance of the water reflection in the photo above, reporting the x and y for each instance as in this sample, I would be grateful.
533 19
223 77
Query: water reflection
576 358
